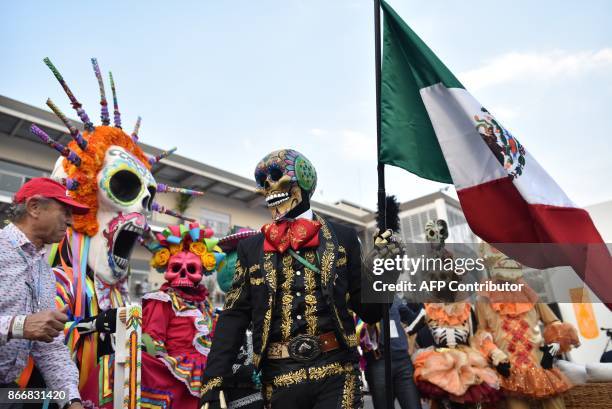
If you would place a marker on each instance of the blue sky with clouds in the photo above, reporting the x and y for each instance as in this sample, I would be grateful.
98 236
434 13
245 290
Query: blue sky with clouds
229 81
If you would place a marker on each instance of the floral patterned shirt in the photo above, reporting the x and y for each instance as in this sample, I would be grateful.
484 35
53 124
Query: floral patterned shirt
27 285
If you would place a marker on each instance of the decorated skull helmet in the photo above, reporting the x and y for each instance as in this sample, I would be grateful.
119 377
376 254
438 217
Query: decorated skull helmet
282 177
186 254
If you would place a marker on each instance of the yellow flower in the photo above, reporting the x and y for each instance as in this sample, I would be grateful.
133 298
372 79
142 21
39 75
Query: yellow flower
161 258
208 261
175 248
198 248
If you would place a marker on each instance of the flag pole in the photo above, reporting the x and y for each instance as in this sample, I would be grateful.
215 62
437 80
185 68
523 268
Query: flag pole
382 204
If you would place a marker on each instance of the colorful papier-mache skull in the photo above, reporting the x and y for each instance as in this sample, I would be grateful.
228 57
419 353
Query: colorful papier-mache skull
186 254
281 177
499 265
105 168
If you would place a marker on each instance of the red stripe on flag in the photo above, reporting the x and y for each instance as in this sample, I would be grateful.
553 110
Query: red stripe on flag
497 212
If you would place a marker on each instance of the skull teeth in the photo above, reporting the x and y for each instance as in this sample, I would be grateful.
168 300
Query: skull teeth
133 228
120 261
277 198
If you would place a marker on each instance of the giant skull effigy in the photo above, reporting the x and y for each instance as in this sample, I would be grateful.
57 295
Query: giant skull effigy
104 167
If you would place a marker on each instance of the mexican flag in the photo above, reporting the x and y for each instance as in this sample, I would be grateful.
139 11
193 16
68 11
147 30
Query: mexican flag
433 127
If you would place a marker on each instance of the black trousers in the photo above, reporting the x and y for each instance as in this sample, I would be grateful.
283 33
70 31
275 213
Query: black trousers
404 389
332 381
341 391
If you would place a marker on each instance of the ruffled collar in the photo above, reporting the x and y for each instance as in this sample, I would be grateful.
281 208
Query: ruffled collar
512 303
448 313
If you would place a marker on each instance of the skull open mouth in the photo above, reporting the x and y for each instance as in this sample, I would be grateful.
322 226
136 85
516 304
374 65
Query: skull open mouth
122 235
275 199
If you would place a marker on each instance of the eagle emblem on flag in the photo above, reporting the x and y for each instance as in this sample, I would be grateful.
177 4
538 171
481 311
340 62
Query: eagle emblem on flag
506 148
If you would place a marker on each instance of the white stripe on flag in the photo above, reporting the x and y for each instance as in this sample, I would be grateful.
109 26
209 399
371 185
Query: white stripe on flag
471 162
469 159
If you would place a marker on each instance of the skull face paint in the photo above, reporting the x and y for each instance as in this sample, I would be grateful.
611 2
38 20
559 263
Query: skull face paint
124 197
184 270
281 178
125 194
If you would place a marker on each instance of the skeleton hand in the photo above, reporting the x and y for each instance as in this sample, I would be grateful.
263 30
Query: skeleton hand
219 403
386 245
554 348
549 352
498 356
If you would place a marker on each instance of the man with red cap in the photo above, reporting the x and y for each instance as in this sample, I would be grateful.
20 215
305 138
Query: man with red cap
29 322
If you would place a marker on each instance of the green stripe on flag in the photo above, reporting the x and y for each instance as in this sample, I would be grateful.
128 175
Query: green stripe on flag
408 139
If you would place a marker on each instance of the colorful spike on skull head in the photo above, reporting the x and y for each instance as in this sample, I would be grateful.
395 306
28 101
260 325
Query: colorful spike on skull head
105 168
281 178
186 254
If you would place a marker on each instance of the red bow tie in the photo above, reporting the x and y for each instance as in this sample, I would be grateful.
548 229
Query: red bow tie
297 233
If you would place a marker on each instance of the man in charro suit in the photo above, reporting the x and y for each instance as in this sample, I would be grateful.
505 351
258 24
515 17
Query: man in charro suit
296 282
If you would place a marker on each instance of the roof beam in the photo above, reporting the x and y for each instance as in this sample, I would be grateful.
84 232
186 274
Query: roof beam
16 127
210 186
232 192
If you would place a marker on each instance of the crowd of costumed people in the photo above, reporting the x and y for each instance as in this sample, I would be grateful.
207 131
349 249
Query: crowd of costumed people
294 332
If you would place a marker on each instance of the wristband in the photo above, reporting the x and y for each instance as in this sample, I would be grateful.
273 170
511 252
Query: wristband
75 400
18 326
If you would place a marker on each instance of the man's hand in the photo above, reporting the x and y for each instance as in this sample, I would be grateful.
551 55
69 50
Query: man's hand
76 405
45 325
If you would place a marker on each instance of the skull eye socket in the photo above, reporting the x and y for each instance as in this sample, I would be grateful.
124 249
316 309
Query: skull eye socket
275 172
175 267
260 178
191 268
125 185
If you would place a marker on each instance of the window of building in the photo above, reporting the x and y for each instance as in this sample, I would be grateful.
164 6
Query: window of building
219 222
458 228
13 176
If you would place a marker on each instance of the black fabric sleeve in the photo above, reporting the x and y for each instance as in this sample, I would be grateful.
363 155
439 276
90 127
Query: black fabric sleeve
369 312
230 328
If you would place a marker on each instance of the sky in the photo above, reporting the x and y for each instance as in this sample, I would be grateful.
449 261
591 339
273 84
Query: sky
227 82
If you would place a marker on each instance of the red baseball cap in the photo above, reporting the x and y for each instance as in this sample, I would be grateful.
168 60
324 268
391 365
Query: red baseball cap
51 189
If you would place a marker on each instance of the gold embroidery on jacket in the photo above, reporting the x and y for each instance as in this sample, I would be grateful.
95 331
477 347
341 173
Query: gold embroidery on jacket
310 299
257 280
287 298
341 257
254 268
237 283
211 384
270 272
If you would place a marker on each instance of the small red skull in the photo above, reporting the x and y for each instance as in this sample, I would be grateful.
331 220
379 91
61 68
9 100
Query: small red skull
184 270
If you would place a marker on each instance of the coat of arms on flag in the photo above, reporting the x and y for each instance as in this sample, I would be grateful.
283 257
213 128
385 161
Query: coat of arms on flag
506 148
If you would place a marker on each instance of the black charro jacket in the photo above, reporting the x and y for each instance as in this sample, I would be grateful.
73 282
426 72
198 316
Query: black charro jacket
253 296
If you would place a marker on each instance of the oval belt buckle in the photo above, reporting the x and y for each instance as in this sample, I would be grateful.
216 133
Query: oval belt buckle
304 348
